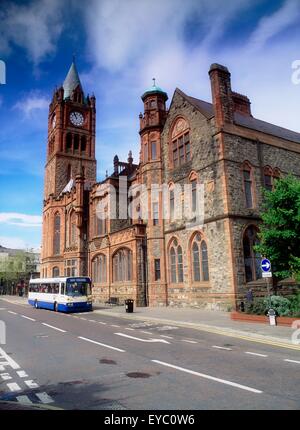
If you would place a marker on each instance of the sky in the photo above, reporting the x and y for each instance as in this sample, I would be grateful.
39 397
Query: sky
119 47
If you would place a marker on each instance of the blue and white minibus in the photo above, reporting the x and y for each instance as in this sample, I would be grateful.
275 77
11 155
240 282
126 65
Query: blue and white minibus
65 294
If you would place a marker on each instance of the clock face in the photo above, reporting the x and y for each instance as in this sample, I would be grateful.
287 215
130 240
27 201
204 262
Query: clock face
76 118
53 121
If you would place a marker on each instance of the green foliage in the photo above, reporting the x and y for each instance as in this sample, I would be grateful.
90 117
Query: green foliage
14 267
280 230
285 306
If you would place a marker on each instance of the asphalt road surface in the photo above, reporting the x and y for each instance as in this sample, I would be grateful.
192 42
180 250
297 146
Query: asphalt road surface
92 361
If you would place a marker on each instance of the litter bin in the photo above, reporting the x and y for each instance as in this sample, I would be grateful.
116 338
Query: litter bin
129 305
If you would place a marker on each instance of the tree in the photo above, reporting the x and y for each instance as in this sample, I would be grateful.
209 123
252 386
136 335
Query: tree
15 267
280 230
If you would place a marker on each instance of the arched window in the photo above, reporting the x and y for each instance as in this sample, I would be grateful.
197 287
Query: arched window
252 258
83 144
122 265
175 262
269 176
199 259
55 272
180 145
171 202
76 143
101 221
56 241
69 142
146 152
73 229
248 184
99 269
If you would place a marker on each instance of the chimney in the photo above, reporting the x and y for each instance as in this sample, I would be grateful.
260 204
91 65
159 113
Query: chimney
116 165
241 104
221 94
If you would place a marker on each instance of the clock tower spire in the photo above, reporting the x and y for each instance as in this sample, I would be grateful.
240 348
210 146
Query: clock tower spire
71 136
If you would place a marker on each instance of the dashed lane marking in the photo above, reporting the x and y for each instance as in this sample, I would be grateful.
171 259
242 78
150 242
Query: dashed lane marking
44 398
11 312
167 337
9 361
115 325
128 328
222 347
256 353
24 400
291 361
142 340
22 374
5 376
188 341
146 332
31 384
100 322
101 344
55 328
28 318
13 386
203 375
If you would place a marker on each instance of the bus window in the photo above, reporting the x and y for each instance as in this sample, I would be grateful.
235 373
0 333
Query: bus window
55 289
62 288
75 289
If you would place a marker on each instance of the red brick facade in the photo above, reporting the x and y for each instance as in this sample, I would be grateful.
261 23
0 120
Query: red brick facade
161 260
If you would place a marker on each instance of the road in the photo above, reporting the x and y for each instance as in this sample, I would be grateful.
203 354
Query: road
93 361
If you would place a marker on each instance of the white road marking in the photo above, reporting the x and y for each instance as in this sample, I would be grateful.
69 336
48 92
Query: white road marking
13 386
101 344
82 318
25 400
189 341
114 325
5 376
291 361
92 320
31 319
9 360
131 329
31 384
22 373
146 332
2 309
167 337
142 340
222 347
11 312
100 322
256 353
55 328
202 375
44 397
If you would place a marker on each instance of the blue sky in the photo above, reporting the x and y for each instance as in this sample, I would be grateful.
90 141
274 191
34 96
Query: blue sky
119 46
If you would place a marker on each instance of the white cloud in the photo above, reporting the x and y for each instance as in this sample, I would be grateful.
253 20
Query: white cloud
270 26
20 220
35 27
18 243
32 103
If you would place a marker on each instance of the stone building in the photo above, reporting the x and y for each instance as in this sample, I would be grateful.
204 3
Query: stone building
155 256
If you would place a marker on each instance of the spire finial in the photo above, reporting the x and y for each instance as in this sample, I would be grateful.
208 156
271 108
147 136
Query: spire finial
74 57
153 79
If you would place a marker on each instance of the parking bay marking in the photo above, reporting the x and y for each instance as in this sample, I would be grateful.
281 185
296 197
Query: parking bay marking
203 375
142 340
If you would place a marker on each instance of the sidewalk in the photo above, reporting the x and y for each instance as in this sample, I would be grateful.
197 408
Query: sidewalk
209 321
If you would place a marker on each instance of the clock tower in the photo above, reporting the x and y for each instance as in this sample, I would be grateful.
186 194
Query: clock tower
71 137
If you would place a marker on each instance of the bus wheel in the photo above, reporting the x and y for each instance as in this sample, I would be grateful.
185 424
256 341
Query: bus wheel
36 304
56 307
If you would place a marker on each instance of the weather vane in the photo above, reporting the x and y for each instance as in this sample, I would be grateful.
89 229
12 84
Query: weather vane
153 79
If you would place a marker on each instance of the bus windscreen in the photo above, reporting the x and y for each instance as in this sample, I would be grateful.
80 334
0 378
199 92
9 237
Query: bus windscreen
77 288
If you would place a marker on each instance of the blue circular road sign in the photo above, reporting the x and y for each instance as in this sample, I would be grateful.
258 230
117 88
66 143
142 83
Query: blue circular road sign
265 265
